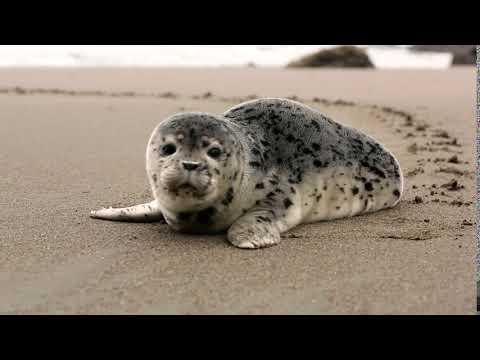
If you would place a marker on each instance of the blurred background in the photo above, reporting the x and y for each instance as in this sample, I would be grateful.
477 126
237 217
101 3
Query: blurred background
379 56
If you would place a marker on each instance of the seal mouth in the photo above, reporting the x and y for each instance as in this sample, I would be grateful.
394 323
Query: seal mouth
188 189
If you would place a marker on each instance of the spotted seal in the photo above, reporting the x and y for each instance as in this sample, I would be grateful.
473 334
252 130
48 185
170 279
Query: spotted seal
260 169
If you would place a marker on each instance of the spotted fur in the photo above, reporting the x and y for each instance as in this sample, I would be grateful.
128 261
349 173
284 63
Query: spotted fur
283 164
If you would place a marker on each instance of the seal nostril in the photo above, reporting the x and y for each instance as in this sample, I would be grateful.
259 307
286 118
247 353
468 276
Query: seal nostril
190 165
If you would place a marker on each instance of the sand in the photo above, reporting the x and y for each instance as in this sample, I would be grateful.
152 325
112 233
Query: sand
74 140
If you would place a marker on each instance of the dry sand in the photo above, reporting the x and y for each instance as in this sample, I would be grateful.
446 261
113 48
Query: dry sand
65 153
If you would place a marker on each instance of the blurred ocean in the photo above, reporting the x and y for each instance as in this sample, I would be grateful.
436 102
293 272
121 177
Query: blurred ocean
383 56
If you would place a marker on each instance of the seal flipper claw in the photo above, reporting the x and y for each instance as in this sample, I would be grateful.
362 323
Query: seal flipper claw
148 212
254 230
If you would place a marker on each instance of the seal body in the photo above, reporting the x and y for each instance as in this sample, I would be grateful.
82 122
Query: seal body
277 163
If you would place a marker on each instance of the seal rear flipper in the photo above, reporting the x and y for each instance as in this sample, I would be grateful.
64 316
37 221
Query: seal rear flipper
148 212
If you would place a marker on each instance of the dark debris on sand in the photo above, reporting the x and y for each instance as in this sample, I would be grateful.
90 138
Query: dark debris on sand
453 185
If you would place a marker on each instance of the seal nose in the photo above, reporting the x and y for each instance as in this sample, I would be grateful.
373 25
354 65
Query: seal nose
190 165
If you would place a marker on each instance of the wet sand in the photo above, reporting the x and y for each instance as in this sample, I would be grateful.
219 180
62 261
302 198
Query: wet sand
74 140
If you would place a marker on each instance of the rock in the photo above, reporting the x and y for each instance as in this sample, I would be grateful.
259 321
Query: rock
168 95
454 160
342 56
462 54
441 134
453 185
292 236
450 170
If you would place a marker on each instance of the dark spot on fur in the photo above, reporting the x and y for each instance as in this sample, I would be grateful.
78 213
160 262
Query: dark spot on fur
355 190
254 163
260 186
396 193
368 186
287 202
228 197
317 163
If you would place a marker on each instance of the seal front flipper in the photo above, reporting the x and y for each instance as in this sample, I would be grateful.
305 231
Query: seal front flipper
148 212
256 229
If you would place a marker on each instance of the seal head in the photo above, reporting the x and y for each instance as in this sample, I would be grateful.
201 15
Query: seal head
191 161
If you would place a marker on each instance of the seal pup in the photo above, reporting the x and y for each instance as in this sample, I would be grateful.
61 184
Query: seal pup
260 169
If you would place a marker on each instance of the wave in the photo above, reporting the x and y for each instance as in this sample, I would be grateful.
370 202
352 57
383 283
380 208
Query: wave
389 56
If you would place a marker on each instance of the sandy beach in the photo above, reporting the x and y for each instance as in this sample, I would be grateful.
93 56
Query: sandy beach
73 140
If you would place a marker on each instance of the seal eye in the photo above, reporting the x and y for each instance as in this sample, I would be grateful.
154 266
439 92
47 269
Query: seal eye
214 152
169 149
